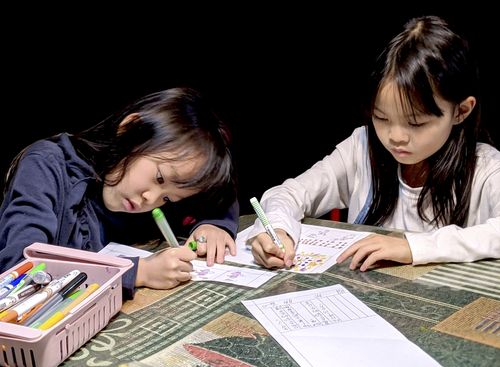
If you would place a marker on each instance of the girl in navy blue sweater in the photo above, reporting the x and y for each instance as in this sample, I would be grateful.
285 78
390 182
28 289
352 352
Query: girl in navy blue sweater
166 150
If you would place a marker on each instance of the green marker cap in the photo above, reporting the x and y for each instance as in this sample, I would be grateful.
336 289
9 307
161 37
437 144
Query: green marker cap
37 268
193 245
157 213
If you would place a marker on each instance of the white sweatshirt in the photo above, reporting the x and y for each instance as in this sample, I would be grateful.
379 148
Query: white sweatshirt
342 180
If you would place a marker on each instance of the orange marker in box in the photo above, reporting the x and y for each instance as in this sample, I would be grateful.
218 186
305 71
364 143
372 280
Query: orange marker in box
15 274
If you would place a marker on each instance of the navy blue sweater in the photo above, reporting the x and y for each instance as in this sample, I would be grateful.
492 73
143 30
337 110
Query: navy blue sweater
56 199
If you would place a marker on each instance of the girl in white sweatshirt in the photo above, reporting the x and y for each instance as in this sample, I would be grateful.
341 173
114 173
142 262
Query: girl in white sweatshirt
418 166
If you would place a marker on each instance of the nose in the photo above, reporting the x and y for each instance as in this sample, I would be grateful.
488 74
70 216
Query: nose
398 134
152 198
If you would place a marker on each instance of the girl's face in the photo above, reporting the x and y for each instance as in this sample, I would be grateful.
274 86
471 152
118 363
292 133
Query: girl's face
410 140
147 183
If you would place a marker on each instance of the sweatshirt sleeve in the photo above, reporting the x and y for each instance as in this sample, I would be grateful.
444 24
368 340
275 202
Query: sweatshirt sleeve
28 213
480 240
228 221
326 185
128 280
456 244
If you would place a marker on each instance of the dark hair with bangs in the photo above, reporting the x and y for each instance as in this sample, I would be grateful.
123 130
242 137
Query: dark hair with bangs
176 120
426 60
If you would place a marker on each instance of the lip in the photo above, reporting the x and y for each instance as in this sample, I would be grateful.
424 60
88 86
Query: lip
400 152
128 205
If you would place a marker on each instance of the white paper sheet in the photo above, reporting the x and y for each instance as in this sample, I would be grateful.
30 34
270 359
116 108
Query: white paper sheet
318 248
230 274
330 326
253 278
117 249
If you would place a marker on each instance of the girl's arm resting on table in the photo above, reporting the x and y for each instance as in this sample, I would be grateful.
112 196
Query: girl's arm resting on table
447 244
368 251
456 244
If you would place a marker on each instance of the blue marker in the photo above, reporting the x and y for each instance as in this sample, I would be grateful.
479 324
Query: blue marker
9 287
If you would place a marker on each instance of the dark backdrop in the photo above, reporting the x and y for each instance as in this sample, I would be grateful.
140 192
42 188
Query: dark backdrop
289 82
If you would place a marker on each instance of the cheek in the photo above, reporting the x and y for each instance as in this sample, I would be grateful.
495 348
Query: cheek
381 132
434 139
107 197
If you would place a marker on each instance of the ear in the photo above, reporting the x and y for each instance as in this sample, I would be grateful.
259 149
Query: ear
129 118
464 109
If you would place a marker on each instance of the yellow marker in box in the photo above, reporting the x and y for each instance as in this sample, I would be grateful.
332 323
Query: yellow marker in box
59 315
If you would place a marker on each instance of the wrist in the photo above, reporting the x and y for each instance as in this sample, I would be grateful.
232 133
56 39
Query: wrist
140 279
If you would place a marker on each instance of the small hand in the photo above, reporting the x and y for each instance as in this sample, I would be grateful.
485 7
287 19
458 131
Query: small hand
165 269
367 251
212 242
266 253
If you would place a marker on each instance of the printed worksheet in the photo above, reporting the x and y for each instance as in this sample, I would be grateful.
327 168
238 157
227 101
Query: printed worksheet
319 326
201 272
230 274
318 248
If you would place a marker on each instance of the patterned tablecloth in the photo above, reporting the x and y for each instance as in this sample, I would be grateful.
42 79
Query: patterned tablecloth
451 311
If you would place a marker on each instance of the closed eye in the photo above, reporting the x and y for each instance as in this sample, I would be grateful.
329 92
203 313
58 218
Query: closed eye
416 125
378 118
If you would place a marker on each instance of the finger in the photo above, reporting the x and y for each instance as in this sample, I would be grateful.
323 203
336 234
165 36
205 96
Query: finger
370 261
289 255
184 266
265 259
201 241
221 251
211 250
271 248
351 250
275 262
289 258
185 254
201 249
259 251
183 276
258 258
360 255
201 238
231 245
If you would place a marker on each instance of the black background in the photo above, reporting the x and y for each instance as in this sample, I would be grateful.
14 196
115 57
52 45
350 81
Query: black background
288 81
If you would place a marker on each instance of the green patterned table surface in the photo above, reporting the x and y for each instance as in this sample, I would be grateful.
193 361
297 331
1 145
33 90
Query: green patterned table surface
204 324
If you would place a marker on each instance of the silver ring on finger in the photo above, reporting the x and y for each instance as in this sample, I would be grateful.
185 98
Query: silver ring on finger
201 239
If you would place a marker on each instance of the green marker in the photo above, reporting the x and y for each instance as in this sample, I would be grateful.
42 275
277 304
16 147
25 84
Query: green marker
50 311
265 222
165 229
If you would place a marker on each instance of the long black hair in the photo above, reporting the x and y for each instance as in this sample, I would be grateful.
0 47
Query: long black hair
174 120
428 59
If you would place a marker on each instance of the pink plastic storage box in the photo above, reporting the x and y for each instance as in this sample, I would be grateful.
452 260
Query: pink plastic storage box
24 346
